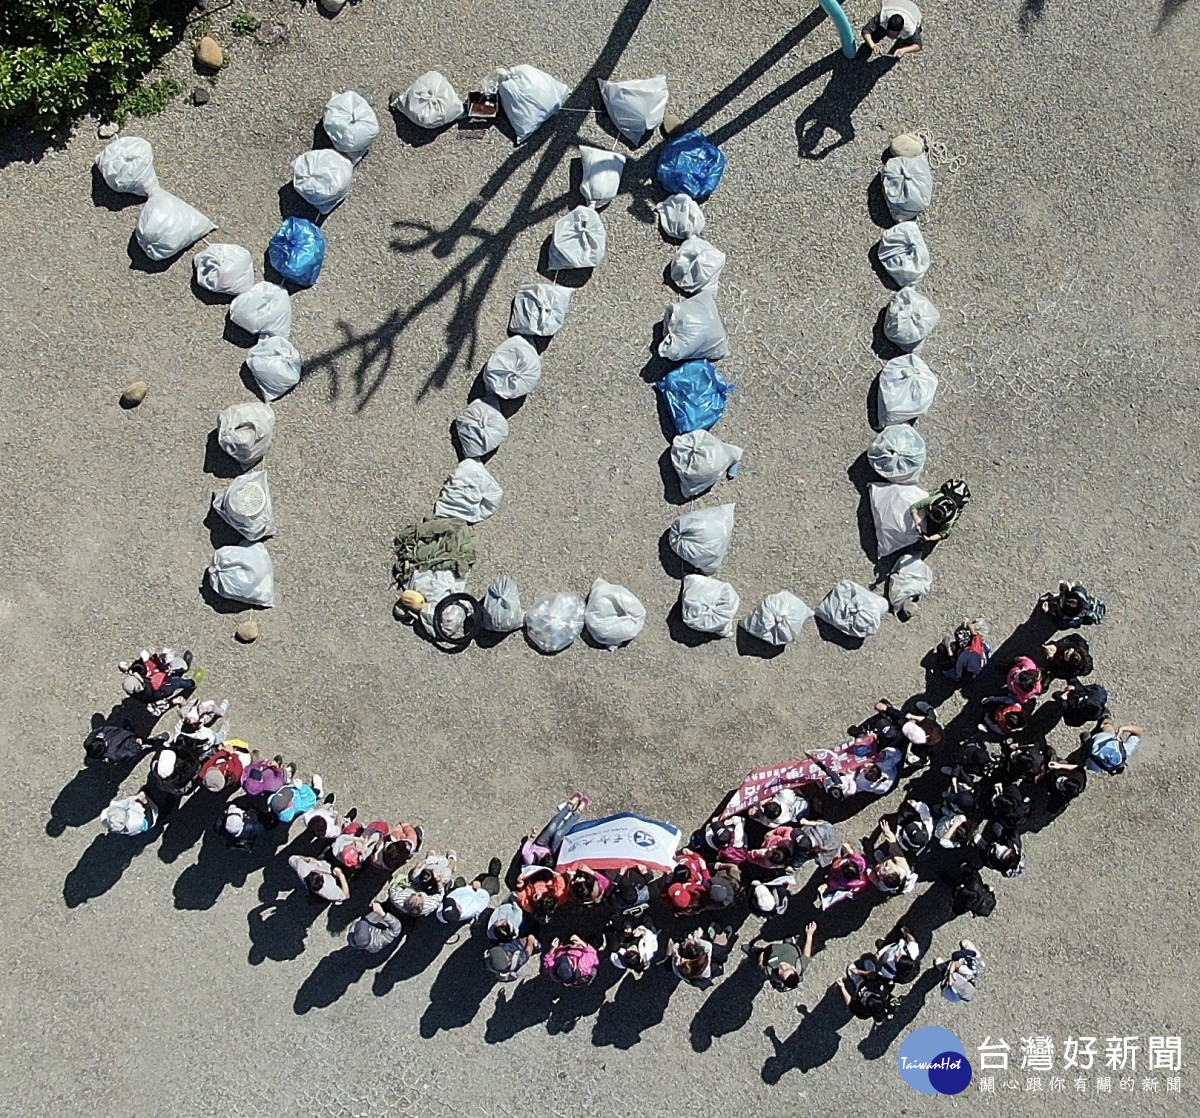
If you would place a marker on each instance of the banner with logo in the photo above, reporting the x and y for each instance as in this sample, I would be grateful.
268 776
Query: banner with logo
620 841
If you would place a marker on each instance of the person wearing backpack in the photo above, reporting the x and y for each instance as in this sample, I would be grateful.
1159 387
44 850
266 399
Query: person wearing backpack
1068 657
1071 606
1109 748
898 958
1082 704
961 973
964 654
240 826
936 515
115 745
971 893
1062 785
129 815
868 995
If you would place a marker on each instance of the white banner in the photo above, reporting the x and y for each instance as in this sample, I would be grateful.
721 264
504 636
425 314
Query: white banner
620 841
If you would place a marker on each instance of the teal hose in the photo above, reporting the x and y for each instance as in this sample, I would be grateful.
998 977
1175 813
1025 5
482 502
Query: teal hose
842 22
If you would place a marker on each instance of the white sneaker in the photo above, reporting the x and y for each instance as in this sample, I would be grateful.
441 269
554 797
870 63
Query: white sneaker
967 945
318 785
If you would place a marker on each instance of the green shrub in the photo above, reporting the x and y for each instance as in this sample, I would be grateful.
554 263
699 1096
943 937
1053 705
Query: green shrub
244 23
59 57
147 99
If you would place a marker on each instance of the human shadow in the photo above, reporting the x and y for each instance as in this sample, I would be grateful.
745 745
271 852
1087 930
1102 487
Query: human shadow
423 942
102 865
728 1006
201 884
638 1005
183 828
460 985
333 975
814 1042
832 113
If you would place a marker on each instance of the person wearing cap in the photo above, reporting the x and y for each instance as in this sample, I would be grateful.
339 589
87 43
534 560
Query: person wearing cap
770 898
295 798
961 973
632 947
722 891
323 881
687 886
897 25
223 769
129 815
722 834
572 964
631 889
158 679
784 963
503 961
376 931
935 516
354 846
964 654
466 902
172 776
239 826
262 778
506 920
1110 747
816 839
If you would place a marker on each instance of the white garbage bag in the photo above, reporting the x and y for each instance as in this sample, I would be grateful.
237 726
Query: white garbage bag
579 240
245 505
540 309
911 577
555 622
430 102
709 605
433 586
855 610
601 174
904 253
127 165
275 365
322 178
245 431
701 460
907 186
897 453
680 217
225 269
167 225
636 106
513 370
480 428
697 265
614 616
243 573
910 318
895 527
266 310
702 538
693 328
470 493
529 97
907 387
502 612
350 123
779 619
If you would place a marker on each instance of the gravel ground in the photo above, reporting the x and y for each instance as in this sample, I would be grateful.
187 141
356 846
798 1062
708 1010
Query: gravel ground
176 978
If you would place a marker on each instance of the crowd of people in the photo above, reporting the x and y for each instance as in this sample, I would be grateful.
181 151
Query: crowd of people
974 791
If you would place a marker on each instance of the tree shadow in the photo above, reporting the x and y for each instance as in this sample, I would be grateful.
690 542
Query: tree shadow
1168 11
371 353
1033 10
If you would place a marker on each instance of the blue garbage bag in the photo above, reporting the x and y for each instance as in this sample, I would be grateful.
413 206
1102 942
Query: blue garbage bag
297 251
691 164
695 394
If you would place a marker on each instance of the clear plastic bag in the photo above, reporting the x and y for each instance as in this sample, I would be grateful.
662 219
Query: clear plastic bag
555 622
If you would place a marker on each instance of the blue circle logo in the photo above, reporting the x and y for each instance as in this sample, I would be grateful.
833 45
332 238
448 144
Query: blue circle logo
643 838
934 1061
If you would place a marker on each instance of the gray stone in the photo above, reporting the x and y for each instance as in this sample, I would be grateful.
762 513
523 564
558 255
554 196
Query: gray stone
201 96
108 129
